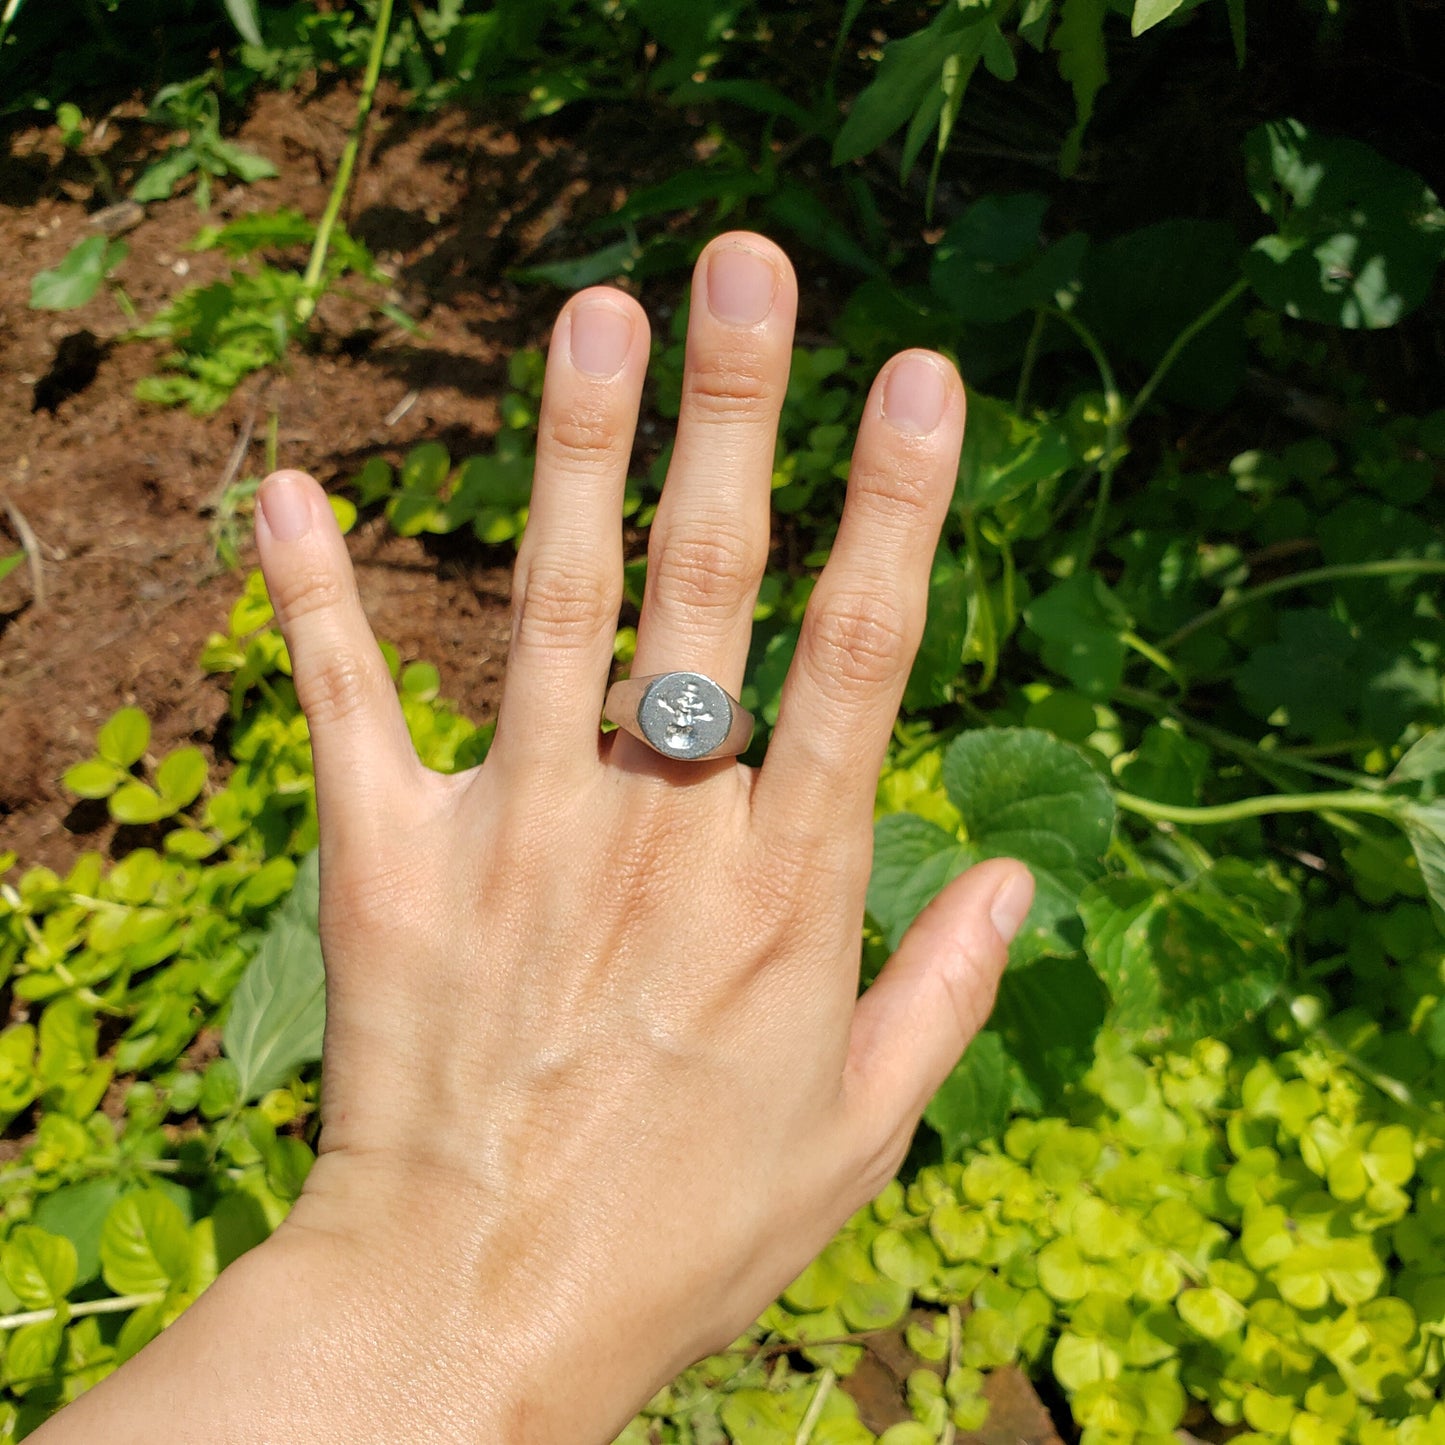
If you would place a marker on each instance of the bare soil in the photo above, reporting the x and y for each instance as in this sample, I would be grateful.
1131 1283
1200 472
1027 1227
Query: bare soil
116 499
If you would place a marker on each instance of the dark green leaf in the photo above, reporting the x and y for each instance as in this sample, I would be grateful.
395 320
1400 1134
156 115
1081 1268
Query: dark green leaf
1167 767
1083 62
974 1101
1048 1014
1081 625
159 179
1005 455
601 265
1183 962
1424 825
1424 761
1358 237
940 654
78 1212
278 1011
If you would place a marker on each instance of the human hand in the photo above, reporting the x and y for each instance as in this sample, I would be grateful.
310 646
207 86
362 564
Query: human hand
597 1083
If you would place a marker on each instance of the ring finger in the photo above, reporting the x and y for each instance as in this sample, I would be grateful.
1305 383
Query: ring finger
709 542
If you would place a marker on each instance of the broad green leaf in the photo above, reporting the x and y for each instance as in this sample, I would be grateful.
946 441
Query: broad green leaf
991 265
1168 766
145 1244
1424 761
1082 625
1147 14
1424 825
1358 237
236 1225
278 1011
94 778
78 1212
1048 1013
39 1266
426 468
32 1353
974 1101
1028 796
1005 455
125 737
181 776
77 278
159 179
1181 963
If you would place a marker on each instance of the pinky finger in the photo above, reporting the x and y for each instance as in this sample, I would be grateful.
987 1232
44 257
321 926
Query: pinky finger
364 759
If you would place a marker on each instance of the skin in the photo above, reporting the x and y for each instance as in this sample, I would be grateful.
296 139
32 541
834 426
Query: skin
597 1081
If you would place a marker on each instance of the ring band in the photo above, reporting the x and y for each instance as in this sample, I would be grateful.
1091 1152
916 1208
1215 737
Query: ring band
682 715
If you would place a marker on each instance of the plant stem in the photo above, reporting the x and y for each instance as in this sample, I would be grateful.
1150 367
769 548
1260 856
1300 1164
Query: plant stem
1031 355
1384 567
86 1307
311 282
826 1382
1176 348
1152 654
1343 801
1114 425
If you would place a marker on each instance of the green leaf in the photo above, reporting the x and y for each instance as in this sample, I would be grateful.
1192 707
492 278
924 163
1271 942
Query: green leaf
605 264
910 68
1048 1013
159 179
1424 825
1358 237
1083 62
278 1011
10 563
1168 766
78 277
125 737
1028 796
1148 14
1082 625
32 1353
78 1212
1424 761
991 265
940 654
181 776
94 778
1181 963
138 803
1005 455
145 1244
40 1267
974 1101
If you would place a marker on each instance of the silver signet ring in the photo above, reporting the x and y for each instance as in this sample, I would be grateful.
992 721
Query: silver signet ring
682 715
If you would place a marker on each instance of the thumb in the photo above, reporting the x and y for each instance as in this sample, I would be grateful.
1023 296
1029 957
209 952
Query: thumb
932 997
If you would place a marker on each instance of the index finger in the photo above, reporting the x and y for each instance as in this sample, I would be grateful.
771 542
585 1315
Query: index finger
865 617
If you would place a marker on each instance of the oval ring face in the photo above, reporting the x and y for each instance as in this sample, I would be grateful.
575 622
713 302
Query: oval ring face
685 715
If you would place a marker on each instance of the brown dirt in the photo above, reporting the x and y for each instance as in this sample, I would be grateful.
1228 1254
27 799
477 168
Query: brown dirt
119 496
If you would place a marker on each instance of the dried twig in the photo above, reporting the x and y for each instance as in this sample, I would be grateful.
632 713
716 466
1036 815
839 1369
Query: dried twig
31 545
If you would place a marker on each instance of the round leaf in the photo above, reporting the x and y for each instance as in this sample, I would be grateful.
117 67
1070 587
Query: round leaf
145 1244
40 1267
125 737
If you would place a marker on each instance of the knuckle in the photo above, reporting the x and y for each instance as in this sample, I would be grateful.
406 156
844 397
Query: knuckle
855 641
738 387
583 440
310 592
716 571
558 606
340 687
895 489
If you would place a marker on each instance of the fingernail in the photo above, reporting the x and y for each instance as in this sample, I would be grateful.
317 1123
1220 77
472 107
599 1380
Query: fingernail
741 285
601 336
1011 904
286 504
915 395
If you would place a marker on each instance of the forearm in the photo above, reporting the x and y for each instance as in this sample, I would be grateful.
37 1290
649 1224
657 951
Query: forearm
291 1345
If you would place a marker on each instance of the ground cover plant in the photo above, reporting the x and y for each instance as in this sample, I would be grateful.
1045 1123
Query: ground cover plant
1183 658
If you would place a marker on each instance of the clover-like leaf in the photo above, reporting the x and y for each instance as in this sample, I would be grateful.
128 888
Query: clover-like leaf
125 737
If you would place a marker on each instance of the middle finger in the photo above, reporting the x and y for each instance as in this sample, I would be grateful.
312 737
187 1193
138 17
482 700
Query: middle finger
709 542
